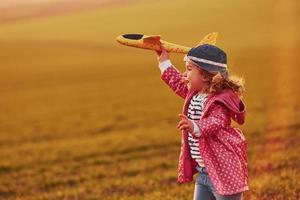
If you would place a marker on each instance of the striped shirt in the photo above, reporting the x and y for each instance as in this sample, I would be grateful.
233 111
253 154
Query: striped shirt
195 111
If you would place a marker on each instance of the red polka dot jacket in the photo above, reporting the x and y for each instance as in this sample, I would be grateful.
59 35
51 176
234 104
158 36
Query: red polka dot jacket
222 147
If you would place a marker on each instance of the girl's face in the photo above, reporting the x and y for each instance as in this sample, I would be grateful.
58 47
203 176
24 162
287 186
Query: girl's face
194 77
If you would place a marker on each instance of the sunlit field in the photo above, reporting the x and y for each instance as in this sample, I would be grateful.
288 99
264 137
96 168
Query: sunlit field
83 117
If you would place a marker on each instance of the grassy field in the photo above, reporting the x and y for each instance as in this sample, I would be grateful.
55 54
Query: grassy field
83 117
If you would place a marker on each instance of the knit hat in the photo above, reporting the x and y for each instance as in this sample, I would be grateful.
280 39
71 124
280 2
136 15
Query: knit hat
209 58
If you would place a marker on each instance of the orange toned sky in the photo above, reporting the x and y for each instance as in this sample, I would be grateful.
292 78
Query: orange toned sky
9 3
14 3
16 10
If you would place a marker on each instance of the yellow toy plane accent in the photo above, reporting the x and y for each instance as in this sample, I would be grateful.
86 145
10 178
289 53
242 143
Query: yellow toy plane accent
154 42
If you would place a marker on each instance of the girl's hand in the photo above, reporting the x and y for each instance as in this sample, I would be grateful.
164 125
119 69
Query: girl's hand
185 124
162 55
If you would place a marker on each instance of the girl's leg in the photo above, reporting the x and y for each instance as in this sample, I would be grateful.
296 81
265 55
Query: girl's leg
201 191
238 196
210 187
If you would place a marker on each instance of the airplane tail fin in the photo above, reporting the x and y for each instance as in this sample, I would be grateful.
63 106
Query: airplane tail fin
210 38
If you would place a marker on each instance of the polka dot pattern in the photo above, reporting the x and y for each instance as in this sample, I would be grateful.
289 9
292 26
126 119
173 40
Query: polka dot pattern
222 146
173 79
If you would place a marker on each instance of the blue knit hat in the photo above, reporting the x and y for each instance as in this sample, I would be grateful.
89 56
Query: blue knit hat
209 58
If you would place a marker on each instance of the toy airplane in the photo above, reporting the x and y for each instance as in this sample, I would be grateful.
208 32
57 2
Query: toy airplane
154 42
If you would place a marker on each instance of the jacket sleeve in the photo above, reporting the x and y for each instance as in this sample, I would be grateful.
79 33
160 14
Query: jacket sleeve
218 118
172 77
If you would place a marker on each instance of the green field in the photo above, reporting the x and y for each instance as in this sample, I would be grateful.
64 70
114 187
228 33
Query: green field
83 117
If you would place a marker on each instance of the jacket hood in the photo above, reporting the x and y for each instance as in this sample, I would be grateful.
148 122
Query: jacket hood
233 103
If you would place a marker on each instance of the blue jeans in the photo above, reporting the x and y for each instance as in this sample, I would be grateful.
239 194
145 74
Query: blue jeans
204 190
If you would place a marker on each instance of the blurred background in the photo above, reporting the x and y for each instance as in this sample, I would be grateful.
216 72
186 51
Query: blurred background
83 117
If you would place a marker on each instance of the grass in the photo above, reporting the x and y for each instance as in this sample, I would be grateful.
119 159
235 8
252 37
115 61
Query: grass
86 118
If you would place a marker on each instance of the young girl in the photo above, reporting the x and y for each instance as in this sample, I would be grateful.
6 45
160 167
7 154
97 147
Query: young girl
210 146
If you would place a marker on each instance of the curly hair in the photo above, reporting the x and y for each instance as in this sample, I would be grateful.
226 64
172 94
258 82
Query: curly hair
218 82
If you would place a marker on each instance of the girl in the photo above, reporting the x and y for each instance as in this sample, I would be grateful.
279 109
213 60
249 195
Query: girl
210 146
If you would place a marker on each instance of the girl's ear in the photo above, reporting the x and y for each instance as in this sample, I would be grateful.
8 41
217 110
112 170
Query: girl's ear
205 77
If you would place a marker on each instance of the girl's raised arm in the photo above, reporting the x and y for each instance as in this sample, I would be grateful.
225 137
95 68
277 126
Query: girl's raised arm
170 75
173 78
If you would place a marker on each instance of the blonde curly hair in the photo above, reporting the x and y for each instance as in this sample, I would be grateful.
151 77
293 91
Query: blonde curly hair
218 82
